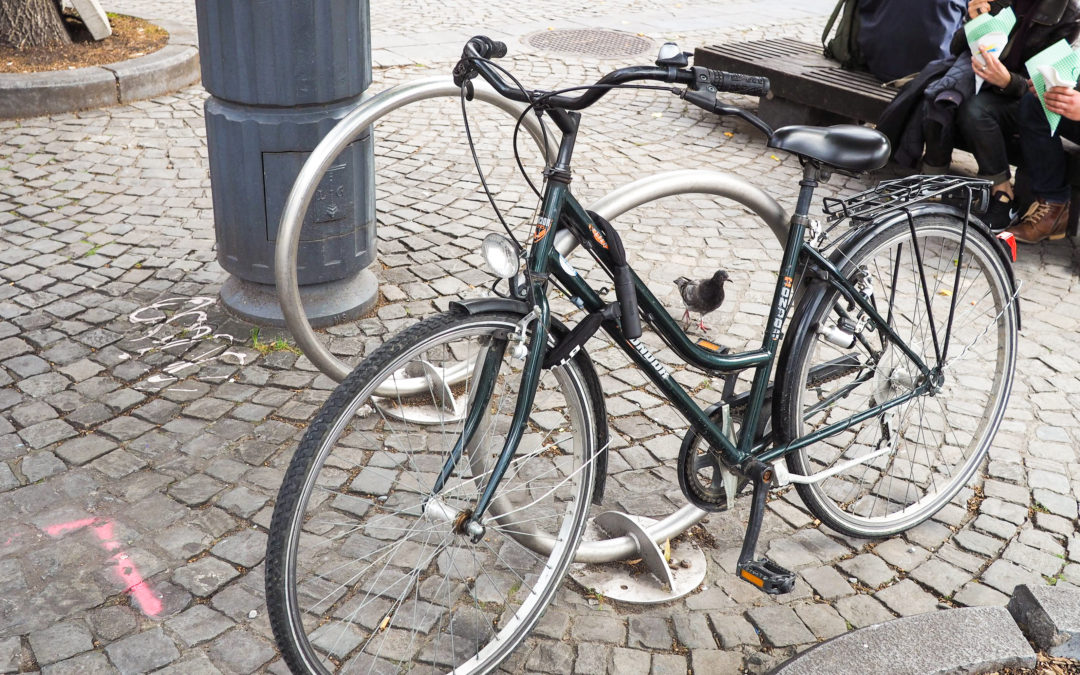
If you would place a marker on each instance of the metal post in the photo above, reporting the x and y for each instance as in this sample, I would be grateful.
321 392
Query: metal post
282 74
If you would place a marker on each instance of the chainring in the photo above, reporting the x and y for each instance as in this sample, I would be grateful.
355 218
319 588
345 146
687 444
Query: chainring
704 479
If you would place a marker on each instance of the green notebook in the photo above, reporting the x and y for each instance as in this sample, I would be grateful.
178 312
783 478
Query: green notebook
1060 62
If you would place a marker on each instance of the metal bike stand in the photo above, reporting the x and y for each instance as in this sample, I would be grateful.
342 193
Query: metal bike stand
661 580
628 535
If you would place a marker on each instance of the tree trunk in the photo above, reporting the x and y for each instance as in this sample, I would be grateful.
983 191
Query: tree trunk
31 23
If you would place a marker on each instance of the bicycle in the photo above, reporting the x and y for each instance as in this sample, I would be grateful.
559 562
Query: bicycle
435 503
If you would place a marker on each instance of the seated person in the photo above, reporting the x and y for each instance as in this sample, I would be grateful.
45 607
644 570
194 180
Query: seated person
899 38
1044 162
987 122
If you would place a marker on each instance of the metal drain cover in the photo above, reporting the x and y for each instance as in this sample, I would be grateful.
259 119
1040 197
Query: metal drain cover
596 43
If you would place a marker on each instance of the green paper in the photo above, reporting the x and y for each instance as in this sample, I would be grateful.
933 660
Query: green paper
1002 22
1065 63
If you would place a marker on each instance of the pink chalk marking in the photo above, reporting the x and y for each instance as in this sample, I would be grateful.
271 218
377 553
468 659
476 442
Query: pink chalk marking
149 603
104 531
134 584
61 529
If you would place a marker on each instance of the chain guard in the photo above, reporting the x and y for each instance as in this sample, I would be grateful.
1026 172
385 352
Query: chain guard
698 466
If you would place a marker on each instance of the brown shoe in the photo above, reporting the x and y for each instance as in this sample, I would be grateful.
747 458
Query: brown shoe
1043 220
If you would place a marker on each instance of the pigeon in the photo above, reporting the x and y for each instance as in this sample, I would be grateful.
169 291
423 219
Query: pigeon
702 296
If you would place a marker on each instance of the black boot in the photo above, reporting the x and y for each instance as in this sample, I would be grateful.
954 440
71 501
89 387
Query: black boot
1001 212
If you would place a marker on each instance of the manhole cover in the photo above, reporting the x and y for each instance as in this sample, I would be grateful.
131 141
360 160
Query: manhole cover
598 43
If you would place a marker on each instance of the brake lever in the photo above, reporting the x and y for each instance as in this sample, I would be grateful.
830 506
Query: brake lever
705 98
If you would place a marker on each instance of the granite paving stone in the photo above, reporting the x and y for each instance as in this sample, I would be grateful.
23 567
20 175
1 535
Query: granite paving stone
974 594
715 662
196 490
779 626
868 569
90 663
979 543
630 661
941 577
205 576
668 664
44 434
593 658
900 554
197 625
142 652
246 548
113 622
906 598
32 412
60 641
650 632
824 621
41 465
862 610
595 627
550 657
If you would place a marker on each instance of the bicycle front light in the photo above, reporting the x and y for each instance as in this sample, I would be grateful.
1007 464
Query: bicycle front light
501 256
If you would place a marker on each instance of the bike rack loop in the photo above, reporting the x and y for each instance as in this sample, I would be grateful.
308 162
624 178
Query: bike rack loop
612 205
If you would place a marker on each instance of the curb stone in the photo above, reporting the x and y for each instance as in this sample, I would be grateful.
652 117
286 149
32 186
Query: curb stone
1050 617
972 639
174 66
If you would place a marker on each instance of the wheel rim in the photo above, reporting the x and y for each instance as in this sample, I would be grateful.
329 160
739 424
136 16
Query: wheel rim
378 583
933 444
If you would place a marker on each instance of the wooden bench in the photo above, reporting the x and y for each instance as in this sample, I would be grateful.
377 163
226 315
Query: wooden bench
808 88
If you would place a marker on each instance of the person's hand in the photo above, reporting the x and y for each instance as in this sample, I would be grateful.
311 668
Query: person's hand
977 7
1031 87
1063 101
994 71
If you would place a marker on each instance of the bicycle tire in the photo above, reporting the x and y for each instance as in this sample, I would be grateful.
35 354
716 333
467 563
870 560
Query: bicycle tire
931 445
357 497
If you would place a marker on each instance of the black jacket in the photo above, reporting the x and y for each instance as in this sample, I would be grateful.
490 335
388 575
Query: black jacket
1054 20
902 121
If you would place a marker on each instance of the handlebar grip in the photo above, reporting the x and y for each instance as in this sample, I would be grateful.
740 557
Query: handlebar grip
737 83
485 47
628 307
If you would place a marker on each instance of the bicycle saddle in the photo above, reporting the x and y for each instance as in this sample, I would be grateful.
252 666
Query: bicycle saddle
844 146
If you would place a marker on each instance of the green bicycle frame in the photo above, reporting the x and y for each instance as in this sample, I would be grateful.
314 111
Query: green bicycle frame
560 209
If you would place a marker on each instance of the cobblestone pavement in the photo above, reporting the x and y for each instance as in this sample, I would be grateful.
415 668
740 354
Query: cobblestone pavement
143 436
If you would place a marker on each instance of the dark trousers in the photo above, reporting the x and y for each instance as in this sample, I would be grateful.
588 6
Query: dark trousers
988 124
1044 156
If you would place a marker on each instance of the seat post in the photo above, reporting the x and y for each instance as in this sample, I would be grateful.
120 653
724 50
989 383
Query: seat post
813 174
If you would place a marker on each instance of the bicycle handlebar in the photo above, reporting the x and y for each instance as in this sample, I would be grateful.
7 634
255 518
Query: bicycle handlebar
481 48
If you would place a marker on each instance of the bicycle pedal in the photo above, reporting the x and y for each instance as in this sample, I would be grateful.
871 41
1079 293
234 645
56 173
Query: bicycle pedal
767 575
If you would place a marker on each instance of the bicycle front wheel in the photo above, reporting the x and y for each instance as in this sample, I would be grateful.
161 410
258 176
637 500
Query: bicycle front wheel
900 466
367 570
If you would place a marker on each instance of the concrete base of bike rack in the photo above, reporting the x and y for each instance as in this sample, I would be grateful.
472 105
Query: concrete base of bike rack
658 582
325 304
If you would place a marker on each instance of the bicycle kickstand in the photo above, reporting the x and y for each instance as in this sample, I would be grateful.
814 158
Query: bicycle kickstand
762 572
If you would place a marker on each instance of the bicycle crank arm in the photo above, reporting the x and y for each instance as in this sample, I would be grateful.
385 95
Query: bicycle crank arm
763 573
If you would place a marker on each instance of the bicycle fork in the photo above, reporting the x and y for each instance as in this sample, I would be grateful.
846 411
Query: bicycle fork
468 522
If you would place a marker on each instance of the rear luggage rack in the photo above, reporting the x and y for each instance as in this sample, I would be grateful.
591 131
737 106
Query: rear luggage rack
900 193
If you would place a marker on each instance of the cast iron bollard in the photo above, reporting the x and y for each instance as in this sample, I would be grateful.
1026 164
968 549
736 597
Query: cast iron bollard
281 74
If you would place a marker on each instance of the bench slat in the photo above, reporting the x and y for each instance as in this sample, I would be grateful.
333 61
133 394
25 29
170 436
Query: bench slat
801 74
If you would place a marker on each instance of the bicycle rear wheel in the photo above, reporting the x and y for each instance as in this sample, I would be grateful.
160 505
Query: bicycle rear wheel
366 570
927 448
